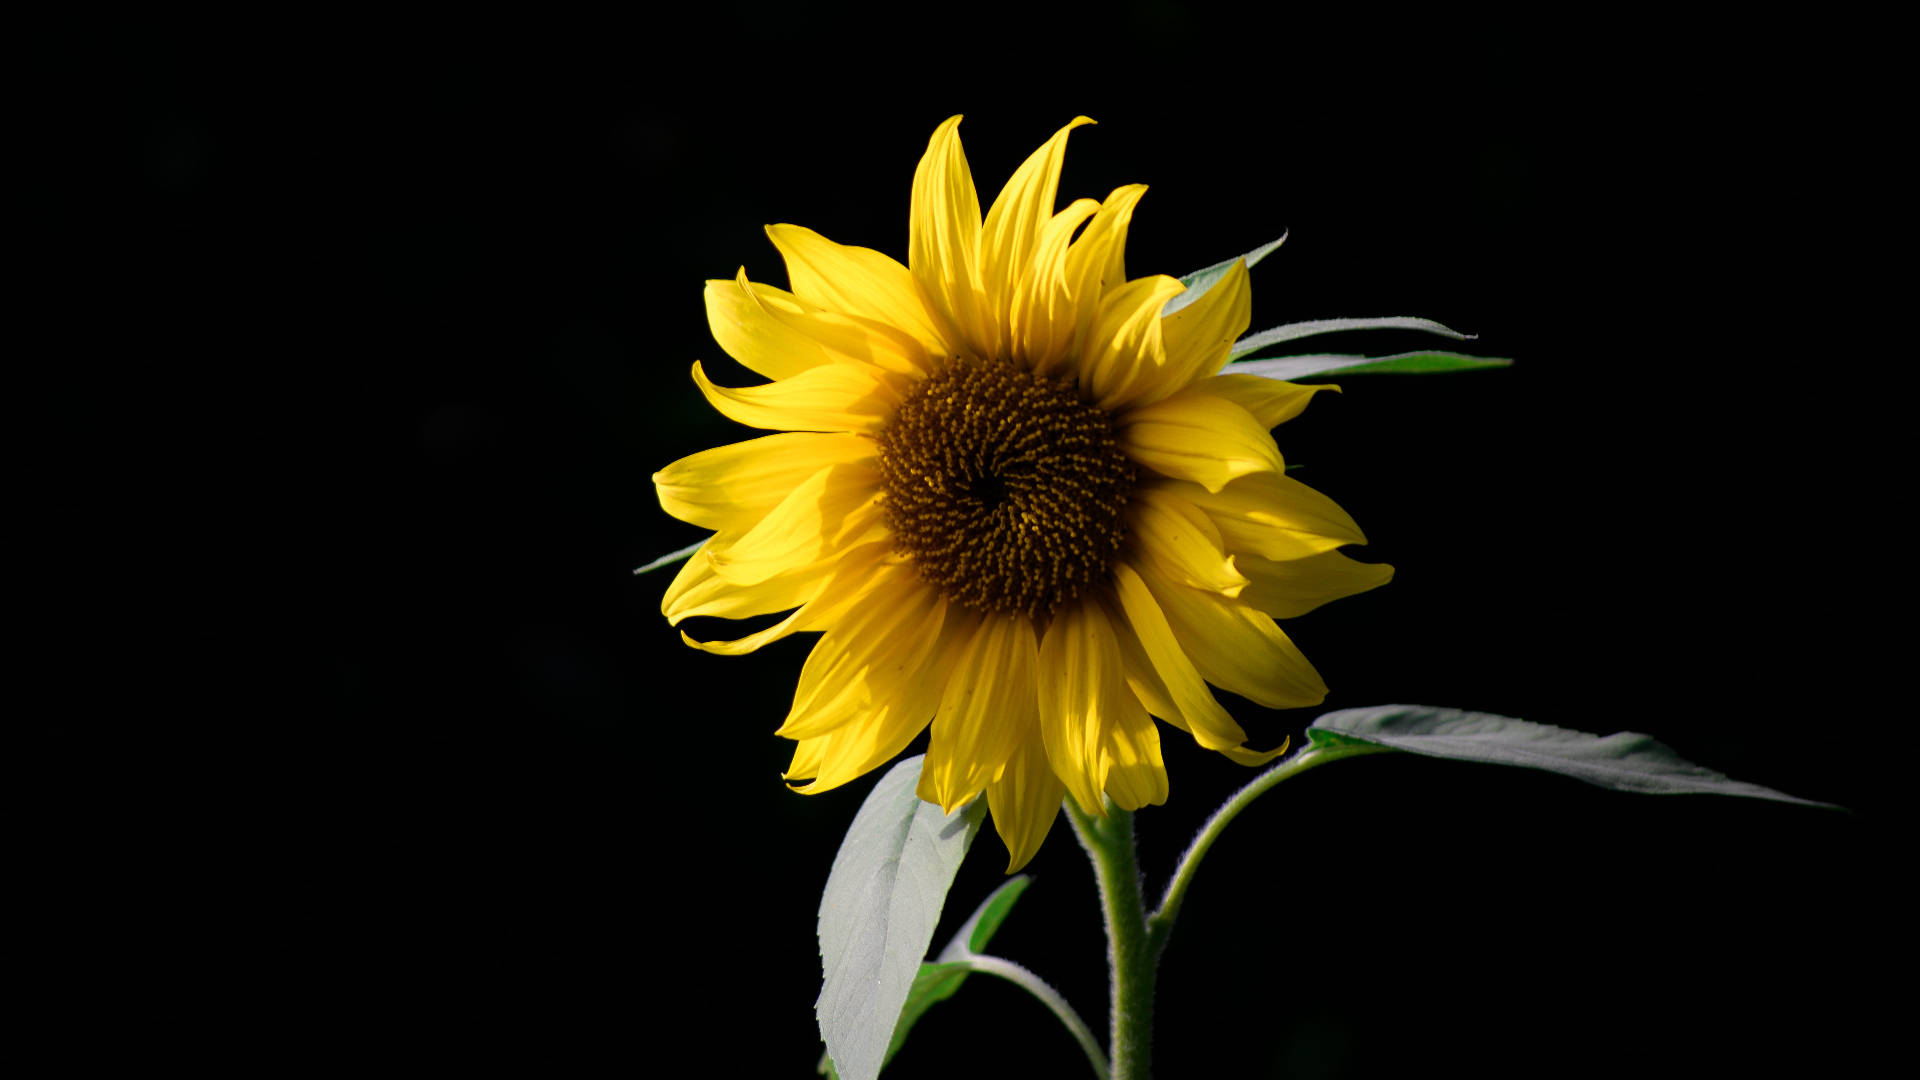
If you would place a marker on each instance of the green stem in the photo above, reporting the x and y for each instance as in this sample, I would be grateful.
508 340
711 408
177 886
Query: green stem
1160 923
1035 985
1132 958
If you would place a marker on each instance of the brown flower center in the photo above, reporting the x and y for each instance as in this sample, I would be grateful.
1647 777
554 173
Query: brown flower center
1007 490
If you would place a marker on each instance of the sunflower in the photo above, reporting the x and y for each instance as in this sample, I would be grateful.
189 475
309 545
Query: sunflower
1015 497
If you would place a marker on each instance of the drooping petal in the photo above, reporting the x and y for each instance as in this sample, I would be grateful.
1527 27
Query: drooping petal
851 750
1014 222
857 281
1043 315
830 397
1274 516
1199 336
1178 537
1124 356
943 247
1025 800
1235 646
866 658
1271 401
1082 691
1189 704
1199 438
835 508
1293 587
1131 769
988 705
732 487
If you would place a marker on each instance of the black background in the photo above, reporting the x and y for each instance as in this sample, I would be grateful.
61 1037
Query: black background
422 300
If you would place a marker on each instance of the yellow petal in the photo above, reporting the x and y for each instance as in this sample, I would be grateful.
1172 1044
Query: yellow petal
781 321
1083 689
829 587
750 334
1043 315
1124 355
833 509
1274 516
697 590
1240 755
854 749
1179 538
878 645
831 397
989 703
1271 401
1285 589
732 487
1131 768
856 281
1024 801
1190 704
943 247
1236 647
1014 223
1097 261
1199 438
1199 336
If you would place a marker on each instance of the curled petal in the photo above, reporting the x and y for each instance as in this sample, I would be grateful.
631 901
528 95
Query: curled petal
765 345
1237 647
1271 401
1180 538
1200 438
857 281
1125 358
697 590
849 751
1292 587
828 586
831 397
730 488
1042 312
879 644
1176 693
835 508
1199 335
1097 261
1274 516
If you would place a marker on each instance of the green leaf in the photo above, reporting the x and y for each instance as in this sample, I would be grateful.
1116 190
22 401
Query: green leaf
1413 363
938 980
1253 343
1624 761
978 930
671 557
877 915
1200 281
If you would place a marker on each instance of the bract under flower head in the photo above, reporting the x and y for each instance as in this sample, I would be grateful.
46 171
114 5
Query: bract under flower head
1016 500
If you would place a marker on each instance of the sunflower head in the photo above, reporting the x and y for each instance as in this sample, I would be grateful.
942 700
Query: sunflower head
1015 497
